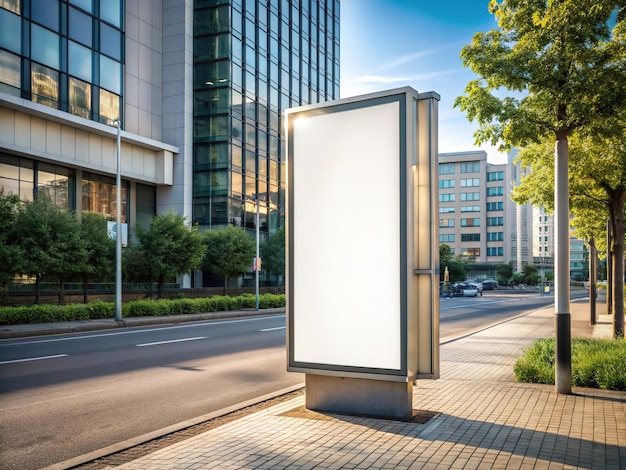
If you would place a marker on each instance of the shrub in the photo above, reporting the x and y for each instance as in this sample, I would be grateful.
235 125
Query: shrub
596 363
101 309
272 300
537 363
137 308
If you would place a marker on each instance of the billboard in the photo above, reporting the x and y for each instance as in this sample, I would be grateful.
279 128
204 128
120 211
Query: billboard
351 286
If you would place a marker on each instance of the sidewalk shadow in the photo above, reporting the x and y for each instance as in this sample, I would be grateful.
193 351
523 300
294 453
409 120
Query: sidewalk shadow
525 443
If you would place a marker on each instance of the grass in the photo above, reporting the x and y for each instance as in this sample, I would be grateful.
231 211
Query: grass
596 363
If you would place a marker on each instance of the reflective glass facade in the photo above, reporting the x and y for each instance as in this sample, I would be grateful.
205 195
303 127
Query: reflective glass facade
252 60
66 54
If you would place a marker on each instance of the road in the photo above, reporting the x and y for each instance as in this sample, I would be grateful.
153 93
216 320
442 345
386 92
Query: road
459 315
71 394
67 395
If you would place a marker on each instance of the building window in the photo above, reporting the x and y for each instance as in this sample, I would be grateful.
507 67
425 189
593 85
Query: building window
495 251
446 238
79 61
495 175
445 223
446 184
446 198
495 191
497 206
470 208
10 73
109 106
10 30
446 168
470 237
495 236
471 252
475 222
80 98
44 85
469 182
495 221
470 167
17 176
45 46
446 210
470 196
99 195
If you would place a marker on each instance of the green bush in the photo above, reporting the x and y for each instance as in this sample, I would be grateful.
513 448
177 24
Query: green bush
596 363
137 308
101 309
537 363
272 300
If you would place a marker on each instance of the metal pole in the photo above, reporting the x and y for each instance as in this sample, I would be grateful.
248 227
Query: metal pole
592 280
118 230
609 269
563 346
256 262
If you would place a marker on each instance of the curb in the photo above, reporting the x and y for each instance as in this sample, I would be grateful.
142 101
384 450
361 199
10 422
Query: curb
135 441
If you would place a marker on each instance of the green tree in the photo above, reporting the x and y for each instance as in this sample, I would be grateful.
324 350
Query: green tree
230 252
445 253
531 275
567 64
50 243
99 263
170 248
597 190
504 273
273 253
10 256
456 267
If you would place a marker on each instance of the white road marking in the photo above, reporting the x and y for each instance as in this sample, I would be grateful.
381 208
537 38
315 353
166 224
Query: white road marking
33 359
170 341
272 329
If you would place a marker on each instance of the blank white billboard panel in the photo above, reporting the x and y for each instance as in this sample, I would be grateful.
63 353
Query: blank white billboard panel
346 233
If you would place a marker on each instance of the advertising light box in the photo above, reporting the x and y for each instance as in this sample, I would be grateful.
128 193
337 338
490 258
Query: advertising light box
350 295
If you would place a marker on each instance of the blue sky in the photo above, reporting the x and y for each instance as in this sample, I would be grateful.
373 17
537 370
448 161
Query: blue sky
388 44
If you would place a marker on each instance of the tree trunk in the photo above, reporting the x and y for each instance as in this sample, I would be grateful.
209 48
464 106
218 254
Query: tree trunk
617 199
161 286
85 295
37 291
225 284
61 292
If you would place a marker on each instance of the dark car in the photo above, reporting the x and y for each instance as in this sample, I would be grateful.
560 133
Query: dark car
489 284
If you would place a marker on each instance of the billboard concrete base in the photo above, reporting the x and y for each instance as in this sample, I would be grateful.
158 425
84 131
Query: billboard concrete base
363 397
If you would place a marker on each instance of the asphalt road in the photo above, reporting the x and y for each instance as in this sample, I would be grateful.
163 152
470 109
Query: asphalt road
66 395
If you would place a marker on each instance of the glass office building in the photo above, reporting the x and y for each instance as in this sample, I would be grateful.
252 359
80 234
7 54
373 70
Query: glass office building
252 60
199 87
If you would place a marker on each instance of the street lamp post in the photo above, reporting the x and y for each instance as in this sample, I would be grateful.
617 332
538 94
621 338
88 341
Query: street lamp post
118 229
257 264
257 260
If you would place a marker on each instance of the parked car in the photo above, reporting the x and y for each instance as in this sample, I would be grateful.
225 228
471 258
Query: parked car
479 286
466 289
489 284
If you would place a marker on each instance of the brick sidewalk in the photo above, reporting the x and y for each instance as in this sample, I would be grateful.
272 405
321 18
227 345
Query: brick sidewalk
483 420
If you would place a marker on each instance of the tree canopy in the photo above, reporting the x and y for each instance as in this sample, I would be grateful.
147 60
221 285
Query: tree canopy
563 61
230 252
49 241
565 64
273 253
170 248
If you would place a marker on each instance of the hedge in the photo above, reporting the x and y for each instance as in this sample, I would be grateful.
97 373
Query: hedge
137 308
